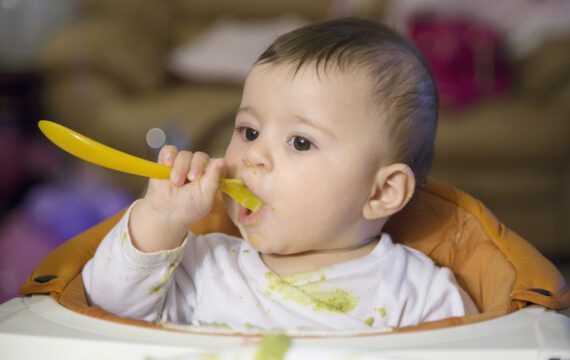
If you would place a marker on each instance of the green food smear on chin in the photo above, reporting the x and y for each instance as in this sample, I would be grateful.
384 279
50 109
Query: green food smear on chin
273 347
312 295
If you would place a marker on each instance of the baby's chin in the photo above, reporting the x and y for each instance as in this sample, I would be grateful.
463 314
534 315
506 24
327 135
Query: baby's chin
257 242
254 240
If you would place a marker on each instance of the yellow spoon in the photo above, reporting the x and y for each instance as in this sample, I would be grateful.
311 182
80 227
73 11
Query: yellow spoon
94 152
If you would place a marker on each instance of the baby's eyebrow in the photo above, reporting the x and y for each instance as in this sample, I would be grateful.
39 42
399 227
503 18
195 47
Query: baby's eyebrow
249 110
299 118
314 124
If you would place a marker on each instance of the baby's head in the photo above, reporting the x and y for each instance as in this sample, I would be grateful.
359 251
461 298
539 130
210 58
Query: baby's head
400 80
336 126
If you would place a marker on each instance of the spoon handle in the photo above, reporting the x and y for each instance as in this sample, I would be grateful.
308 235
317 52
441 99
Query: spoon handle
94 152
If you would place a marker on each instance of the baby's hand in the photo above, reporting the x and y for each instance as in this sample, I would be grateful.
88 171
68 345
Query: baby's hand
170 206
190 193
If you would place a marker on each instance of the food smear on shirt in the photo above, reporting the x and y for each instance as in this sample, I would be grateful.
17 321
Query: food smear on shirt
311 294
171 268
273 347
382 311
219 325
165 279
156 289
369 321
265 311
305 277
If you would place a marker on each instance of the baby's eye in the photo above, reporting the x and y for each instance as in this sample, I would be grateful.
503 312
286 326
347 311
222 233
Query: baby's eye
248 133
300 143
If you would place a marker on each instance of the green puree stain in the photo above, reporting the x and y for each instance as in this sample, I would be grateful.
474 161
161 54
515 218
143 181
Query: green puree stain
165 279
273 347
311 294
210 357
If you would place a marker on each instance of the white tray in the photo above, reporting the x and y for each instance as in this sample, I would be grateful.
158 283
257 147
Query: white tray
38 327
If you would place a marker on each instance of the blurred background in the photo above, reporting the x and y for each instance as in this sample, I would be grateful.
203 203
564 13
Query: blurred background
138 74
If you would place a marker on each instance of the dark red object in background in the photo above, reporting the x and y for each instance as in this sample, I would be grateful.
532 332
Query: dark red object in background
466 58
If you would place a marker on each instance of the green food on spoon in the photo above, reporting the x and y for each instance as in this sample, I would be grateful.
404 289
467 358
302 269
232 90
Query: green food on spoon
103 155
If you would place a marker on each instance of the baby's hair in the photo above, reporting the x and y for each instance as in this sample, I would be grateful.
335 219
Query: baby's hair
402 82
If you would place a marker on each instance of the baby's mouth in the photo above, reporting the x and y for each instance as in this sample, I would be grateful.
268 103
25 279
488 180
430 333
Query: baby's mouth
240 192
247 217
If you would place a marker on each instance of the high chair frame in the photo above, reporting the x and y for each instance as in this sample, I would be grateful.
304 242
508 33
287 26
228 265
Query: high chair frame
517 290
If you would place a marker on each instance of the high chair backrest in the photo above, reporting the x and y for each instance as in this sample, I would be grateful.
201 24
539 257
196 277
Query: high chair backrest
500 270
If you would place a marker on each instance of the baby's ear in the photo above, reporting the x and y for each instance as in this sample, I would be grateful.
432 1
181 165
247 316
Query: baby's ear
392 189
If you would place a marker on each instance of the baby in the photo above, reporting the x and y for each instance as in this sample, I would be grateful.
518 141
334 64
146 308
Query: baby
334 132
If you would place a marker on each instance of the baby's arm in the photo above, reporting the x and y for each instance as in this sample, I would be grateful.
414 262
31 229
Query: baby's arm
130 274
130 283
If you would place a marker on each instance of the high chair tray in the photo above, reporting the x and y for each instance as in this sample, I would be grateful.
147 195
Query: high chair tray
38 327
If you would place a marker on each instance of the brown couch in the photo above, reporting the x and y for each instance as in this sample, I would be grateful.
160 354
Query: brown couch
105 78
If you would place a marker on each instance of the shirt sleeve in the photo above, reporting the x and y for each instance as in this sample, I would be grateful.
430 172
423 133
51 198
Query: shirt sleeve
130 283
445 298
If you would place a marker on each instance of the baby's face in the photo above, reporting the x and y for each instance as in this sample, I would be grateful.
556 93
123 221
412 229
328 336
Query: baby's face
308 146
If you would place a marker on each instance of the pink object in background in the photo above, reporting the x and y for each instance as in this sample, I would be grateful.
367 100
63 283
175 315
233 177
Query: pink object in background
465 57
22 247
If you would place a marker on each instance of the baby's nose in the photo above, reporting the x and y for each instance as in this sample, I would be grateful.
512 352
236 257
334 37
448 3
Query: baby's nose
258 156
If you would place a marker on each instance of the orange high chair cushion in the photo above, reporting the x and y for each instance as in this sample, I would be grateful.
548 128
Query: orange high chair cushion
501 271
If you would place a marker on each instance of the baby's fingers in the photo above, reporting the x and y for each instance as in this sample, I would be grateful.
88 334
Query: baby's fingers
213 174
181 167
198 168
167 154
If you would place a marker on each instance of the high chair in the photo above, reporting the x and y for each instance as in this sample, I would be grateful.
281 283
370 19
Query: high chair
516 289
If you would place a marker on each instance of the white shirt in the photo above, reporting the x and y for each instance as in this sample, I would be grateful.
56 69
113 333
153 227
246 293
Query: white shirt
219 279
